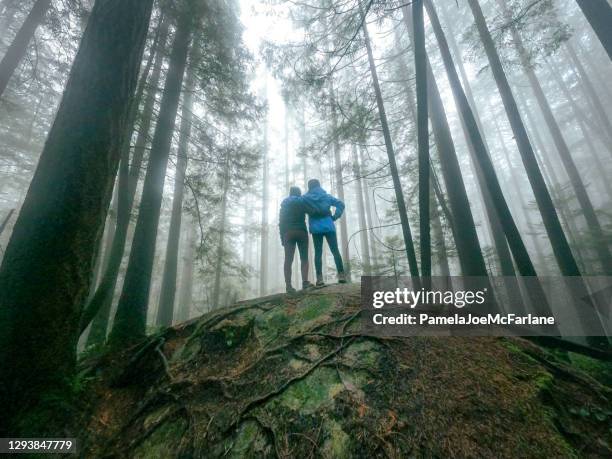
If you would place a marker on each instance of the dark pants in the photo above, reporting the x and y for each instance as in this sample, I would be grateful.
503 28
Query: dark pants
332 242
290 239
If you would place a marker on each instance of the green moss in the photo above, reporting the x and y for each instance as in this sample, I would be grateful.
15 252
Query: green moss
601 371
337 443
249 441
271 324
312 393
163 442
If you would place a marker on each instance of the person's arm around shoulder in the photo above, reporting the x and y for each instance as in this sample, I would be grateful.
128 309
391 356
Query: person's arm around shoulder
338 205
310 209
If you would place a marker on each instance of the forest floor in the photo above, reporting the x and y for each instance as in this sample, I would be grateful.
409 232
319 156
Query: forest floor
291 376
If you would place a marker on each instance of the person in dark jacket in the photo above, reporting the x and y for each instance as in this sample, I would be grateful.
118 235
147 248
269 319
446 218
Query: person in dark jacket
292 227
321 225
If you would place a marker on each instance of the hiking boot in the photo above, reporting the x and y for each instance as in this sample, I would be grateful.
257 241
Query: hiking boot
341 278
320 282
307 285
290 289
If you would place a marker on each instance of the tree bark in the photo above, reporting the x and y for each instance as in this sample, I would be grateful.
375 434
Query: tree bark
47 268
130 319
17 50
167 296
599 15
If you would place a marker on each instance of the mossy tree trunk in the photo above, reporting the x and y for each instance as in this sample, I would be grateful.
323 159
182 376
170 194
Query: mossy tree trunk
47 268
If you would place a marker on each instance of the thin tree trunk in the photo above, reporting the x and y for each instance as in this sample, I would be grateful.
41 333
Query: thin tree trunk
47 267
186 283
588 211
397 184
436 227
363 227
219 260
130 319
422 121
340 188
599 15
167 295
99 307
17 50
368 212
263 265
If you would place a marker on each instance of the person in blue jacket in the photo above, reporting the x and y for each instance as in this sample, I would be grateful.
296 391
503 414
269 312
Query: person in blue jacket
321 225
292 228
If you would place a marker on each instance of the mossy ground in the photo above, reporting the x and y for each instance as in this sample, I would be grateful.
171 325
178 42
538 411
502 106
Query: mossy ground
291 376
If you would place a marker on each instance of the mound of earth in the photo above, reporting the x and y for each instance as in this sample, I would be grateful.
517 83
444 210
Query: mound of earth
291 376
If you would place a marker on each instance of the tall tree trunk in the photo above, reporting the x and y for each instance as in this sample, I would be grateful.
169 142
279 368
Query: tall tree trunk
588 211
397 184
599 15
422 121
99 306
363 227
263 255
185 298
468 247
130 319
165 310
369 217
219 260
436 227
340 187
47 267
589 89
561 248
17 50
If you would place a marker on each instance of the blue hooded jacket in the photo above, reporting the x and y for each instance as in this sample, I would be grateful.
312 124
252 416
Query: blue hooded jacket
318 198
